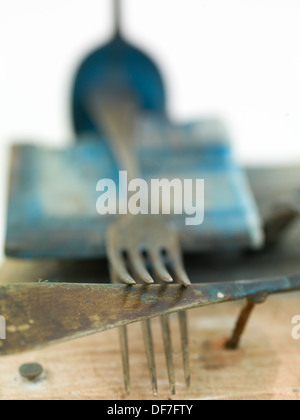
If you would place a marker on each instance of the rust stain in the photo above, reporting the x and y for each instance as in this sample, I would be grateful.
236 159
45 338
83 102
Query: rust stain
215 356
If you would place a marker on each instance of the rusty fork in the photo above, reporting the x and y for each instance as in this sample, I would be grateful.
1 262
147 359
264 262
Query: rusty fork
125 241
141 248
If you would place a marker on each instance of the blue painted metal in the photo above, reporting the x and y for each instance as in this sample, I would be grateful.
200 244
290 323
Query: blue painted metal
52 206
120 67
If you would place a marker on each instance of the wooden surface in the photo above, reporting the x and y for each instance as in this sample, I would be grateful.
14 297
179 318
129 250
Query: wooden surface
266 367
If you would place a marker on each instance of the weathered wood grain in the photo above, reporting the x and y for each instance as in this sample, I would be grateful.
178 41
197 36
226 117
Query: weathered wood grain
266 367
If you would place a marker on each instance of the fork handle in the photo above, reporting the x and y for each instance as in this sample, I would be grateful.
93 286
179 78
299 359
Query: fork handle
117 114
117 15
118 120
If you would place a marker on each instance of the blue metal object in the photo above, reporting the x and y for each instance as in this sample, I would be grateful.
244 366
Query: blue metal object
52 206
120 67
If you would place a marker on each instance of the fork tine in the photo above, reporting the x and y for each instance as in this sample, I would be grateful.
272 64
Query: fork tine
181 276
148 341
162 275
138 266
123 343
183 324
118 267
166 333
125 357
158 267
125 277
175 258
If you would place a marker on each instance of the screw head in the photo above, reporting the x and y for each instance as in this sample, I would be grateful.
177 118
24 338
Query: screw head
31 371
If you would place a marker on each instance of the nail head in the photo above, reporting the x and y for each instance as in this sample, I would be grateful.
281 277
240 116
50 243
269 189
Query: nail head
31 371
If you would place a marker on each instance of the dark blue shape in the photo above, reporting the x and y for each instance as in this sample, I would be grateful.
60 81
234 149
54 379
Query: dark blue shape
123 68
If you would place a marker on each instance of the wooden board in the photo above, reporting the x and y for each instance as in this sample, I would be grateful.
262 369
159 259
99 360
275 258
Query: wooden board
266 367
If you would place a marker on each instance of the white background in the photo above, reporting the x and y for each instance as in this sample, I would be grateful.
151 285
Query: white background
238 59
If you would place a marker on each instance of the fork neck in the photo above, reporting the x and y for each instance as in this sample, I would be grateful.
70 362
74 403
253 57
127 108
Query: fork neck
117 18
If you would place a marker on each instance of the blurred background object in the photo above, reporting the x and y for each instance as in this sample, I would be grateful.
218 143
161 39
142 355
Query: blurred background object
235 59
116 68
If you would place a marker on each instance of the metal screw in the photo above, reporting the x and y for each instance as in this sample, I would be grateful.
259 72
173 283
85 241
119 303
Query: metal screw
31 371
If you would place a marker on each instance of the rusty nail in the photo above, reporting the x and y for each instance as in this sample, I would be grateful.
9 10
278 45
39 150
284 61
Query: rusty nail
234 341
